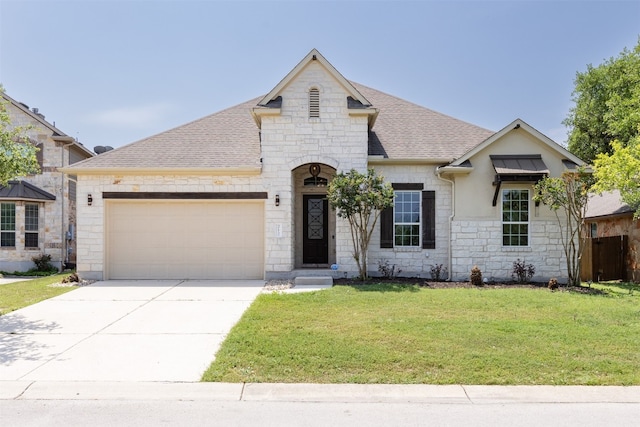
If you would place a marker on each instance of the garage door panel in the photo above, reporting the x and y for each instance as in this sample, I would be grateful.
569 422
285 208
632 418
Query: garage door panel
185 239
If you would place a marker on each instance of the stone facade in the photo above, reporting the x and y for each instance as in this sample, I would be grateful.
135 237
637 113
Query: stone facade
57 219
480 243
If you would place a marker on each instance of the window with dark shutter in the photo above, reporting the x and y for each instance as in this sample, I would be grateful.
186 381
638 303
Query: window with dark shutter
427 223
314 103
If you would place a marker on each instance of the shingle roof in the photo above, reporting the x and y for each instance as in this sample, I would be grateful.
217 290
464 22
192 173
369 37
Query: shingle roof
230 138
405 130
21 190
226 139
606 204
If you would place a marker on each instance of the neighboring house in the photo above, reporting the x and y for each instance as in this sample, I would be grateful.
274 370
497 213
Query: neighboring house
613 240
241 193
37 212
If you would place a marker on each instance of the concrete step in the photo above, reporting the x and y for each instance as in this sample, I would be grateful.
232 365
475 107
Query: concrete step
316 281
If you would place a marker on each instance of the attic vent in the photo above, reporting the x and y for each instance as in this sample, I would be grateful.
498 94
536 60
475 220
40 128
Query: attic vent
314 103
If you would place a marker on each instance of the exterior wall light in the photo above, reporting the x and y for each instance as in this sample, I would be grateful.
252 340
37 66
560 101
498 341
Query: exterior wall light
277 200
89 200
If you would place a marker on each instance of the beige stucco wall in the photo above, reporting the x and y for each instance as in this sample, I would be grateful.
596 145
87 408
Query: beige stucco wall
477 226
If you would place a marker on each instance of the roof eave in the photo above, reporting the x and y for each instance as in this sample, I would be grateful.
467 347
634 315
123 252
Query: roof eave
258 112
381 160
244 171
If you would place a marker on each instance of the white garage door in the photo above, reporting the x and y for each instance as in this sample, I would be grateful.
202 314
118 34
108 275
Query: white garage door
185 239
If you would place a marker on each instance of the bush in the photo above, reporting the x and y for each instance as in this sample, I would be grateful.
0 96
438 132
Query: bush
42 262
387 271
476 276
522 272
438 272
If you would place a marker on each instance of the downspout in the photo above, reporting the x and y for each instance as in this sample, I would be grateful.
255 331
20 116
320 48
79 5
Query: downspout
453 213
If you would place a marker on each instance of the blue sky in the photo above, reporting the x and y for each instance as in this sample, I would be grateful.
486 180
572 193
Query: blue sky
113 72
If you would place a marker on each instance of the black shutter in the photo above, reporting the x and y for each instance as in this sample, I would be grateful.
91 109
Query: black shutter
386 228
428 220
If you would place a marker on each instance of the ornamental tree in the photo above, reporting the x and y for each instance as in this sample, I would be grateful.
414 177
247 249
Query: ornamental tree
17 152
569 193
360 198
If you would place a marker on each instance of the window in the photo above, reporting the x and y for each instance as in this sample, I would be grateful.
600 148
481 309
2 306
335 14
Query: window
515 217
7 224
31 226
411 222
406 218
594 230
314 103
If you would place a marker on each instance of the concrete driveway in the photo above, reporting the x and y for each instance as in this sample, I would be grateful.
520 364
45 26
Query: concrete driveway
146 330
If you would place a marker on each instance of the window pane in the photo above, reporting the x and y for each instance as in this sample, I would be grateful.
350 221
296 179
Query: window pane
8 216
7 239
30 240
31 217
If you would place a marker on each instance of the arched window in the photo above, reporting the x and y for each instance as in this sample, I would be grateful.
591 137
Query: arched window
314 103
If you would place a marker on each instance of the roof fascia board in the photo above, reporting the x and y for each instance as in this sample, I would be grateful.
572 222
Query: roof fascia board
314 55
518 124
249 171
379 160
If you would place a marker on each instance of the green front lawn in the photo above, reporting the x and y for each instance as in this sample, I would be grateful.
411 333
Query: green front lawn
21 294
408 334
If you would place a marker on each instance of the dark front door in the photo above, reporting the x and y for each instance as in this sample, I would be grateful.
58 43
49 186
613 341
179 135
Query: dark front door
315 241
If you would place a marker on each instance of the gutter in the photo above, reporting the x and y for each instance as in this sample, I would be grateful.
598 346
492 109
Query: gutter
453 213
161 171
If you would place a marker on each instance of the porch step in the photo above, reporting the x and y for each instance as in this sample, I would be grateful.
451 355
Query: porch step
315 281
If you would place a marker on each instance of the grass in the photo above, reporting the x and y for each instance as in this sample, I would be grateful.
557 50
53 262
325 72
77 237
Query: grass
14 296
406 334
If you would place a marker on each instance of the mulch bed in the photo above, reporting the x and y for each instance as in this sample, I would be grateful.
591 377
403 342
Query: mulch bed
432 284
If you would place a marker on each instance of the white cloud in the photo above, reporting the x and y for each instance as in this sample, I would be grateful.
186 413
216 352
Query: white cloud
133 117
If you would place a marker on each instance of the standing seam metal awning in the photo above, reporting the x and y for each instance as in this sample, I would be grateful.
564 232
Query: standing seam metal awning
21 190
517 168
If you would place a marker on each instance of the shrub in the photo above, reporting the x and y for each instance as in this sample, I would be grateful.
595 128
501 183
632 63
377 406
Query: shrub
522 272
476 276
42 262
438 272
387 271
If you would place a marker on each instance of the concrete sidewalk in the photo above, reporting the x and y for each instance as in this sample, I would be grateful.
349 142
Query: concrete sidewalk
337 393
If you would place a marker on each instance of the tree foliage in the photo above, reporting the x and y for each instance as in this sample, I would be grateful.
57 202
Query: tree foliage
17 152
621 170
360 198
569 194
607 106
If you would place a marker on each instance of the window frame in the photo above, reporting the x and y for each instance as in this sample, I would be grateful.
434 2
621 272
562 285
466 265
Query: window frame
418 222
517 222
33 228
5 231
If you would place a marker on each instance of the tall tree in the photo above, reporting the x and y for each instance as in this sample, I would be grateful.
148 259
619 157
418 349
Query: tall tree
570 194
621 170
360 198
607 105
17 152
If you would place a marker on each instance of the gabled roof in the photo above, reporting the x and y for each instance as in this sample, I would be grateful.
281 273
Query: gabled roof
57 134
517 124
228 140
608 203
405 131
314 55
21 190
